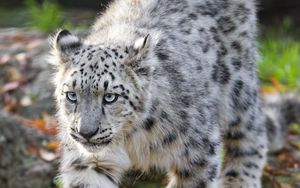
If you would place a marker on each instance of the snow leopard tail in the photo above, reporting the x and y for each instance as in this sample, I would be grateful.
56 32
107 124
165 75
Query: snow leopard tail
281 111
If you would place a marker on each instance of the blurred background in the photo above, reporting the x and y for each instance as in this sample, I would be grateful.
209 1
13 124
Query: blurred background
29 152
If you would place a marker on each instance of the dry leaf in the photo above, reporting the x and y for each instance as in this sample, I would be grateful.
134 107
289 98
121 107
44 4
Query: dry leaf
268 90
52 145
9 87
47 126
272 179
33 150
47 156
11 104
18 37
277 84
13 74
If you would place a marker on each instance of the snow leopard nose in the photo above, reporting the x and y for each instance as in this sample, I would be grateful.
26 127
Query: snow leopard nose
88 133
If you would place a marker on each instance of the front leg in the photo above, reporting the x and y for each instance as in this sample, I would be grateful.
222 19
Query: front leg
86 177
199 165
101 170
202 174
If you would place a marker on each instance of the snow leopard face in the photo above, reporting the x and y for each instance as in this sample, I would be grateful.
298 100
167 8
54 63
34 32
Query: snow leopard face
99 89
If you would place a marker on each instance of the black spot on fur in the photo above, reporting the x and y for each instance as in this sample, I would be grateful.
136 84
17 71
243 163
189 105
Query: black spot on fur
221 73
169 138
132 105
237 88
242 13
236 152
251 165
164 115
183 115
243 96
80 167
154 105
148 123
201 184
185 100
244 34
213 172
236 122
194 143
160 50
162 56
105 85
232 173
222 51
112 76
199 162
126 51
73 73
185 26
74 84
210 146
246 173
183 173
106 173
237 46
237 64
92 68
235 135
193 16
226 24
144 71
207 9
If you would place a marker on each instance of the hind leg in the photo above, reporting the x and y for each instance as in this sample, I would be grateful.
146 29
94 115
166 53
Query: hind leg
245 150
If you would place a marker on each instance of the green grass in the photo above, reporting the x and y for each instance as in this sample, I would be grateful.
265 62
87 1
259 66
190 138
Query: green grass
280 55
44 17
280 59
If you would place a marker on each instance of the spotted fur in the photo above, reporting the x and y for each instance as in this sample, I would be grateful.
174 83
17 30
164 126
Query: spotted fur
163 84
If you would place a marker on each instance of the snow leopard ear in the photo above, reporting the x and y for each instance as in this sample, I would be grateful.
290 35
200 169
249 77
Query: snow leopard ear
64 43
137 52
142 44
140 47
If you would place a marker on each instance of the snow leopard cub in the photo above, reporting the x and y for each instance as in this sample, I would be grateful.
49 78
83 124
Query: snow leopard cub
162 84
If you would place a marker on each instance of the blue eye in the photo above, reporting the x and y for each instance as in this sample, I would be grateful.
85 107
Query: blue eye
109 98
71 96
